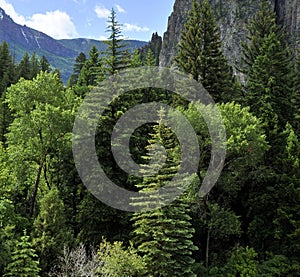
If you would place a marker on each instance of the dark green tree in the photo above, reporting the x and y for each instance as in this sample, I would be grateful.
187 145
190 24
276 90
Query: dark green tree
7 68
116 55
200 53
91 70
24 67
163 236
261 25
296 96
34 66
269 93
44 64
269 87
79 63
8 220
8 76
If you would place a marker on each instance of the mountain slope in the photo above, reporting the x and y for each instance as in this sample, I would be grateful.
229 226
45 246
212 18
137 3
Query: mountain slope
60 53
84 45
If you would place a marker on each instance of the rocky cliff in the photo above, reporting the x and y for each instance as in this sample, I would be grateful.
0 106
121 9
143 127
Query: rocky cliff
232 16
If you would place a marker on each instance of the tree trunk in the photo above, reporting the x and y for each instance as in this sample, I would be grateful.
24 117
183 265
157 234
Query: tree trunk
36 186
207 248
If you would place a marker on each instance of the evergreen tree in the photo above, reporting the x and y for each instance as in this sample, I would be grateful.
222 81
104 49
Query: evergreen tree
269 93
24 261
50 231
261 25
163 236
136 60
91 70
200 54
116 54
79 63
269 87
7 70
24 67
8 218
44 65
150 59
7 77
296 97
34 66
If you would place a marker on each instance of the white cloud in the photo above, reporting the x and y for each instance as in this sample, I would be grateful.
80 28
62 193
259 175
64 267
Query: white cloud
10 10
120 9
56 24
134 28
102 12
102 38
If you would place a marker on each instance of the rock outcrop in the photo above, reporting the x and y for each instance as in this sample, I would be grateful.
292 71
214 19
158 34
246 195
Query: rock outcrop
232 16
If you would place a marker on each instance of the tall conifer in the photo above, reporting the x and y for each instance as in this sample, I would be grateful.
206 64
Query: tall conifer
116 55
200 54
163 236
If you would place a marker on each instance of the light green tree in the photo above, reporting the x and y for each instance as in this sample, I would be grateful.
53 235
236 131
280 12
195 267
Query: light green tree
43 116
50 232
115 260
24 260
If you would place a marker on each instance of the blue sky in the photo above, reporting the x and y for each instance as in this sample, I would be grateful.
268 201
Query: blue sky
88 18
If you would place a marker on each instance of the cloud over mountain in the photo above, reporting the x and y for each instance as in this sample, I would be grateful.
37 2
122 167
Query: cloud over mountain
57 24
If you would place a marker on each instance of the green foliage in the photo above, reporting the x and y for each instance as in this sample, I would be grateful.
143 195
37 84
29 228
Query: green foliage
79 63
8 76
24 261
43 115
296 96
261 25
116 55
50 232
8 222
150 59
222 223
7 68
269 86
116 261
96 220
91 68
200 54
163 234
246 140
249 223
243 262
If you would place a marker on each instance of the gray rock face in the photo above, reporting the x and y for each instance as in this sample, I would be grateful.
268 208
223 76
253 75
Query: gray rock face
232 16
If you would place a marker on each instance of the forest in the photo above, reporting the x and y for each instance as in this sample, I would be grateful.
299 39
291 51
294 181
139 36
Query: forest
247 225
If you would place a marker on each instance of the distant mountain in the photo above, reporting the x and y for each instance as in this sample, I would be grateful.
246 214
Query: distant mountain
60 53
84 45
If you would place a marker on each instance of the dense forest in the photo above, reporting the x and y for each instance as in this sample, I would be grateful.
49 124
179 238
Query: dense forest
247 225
